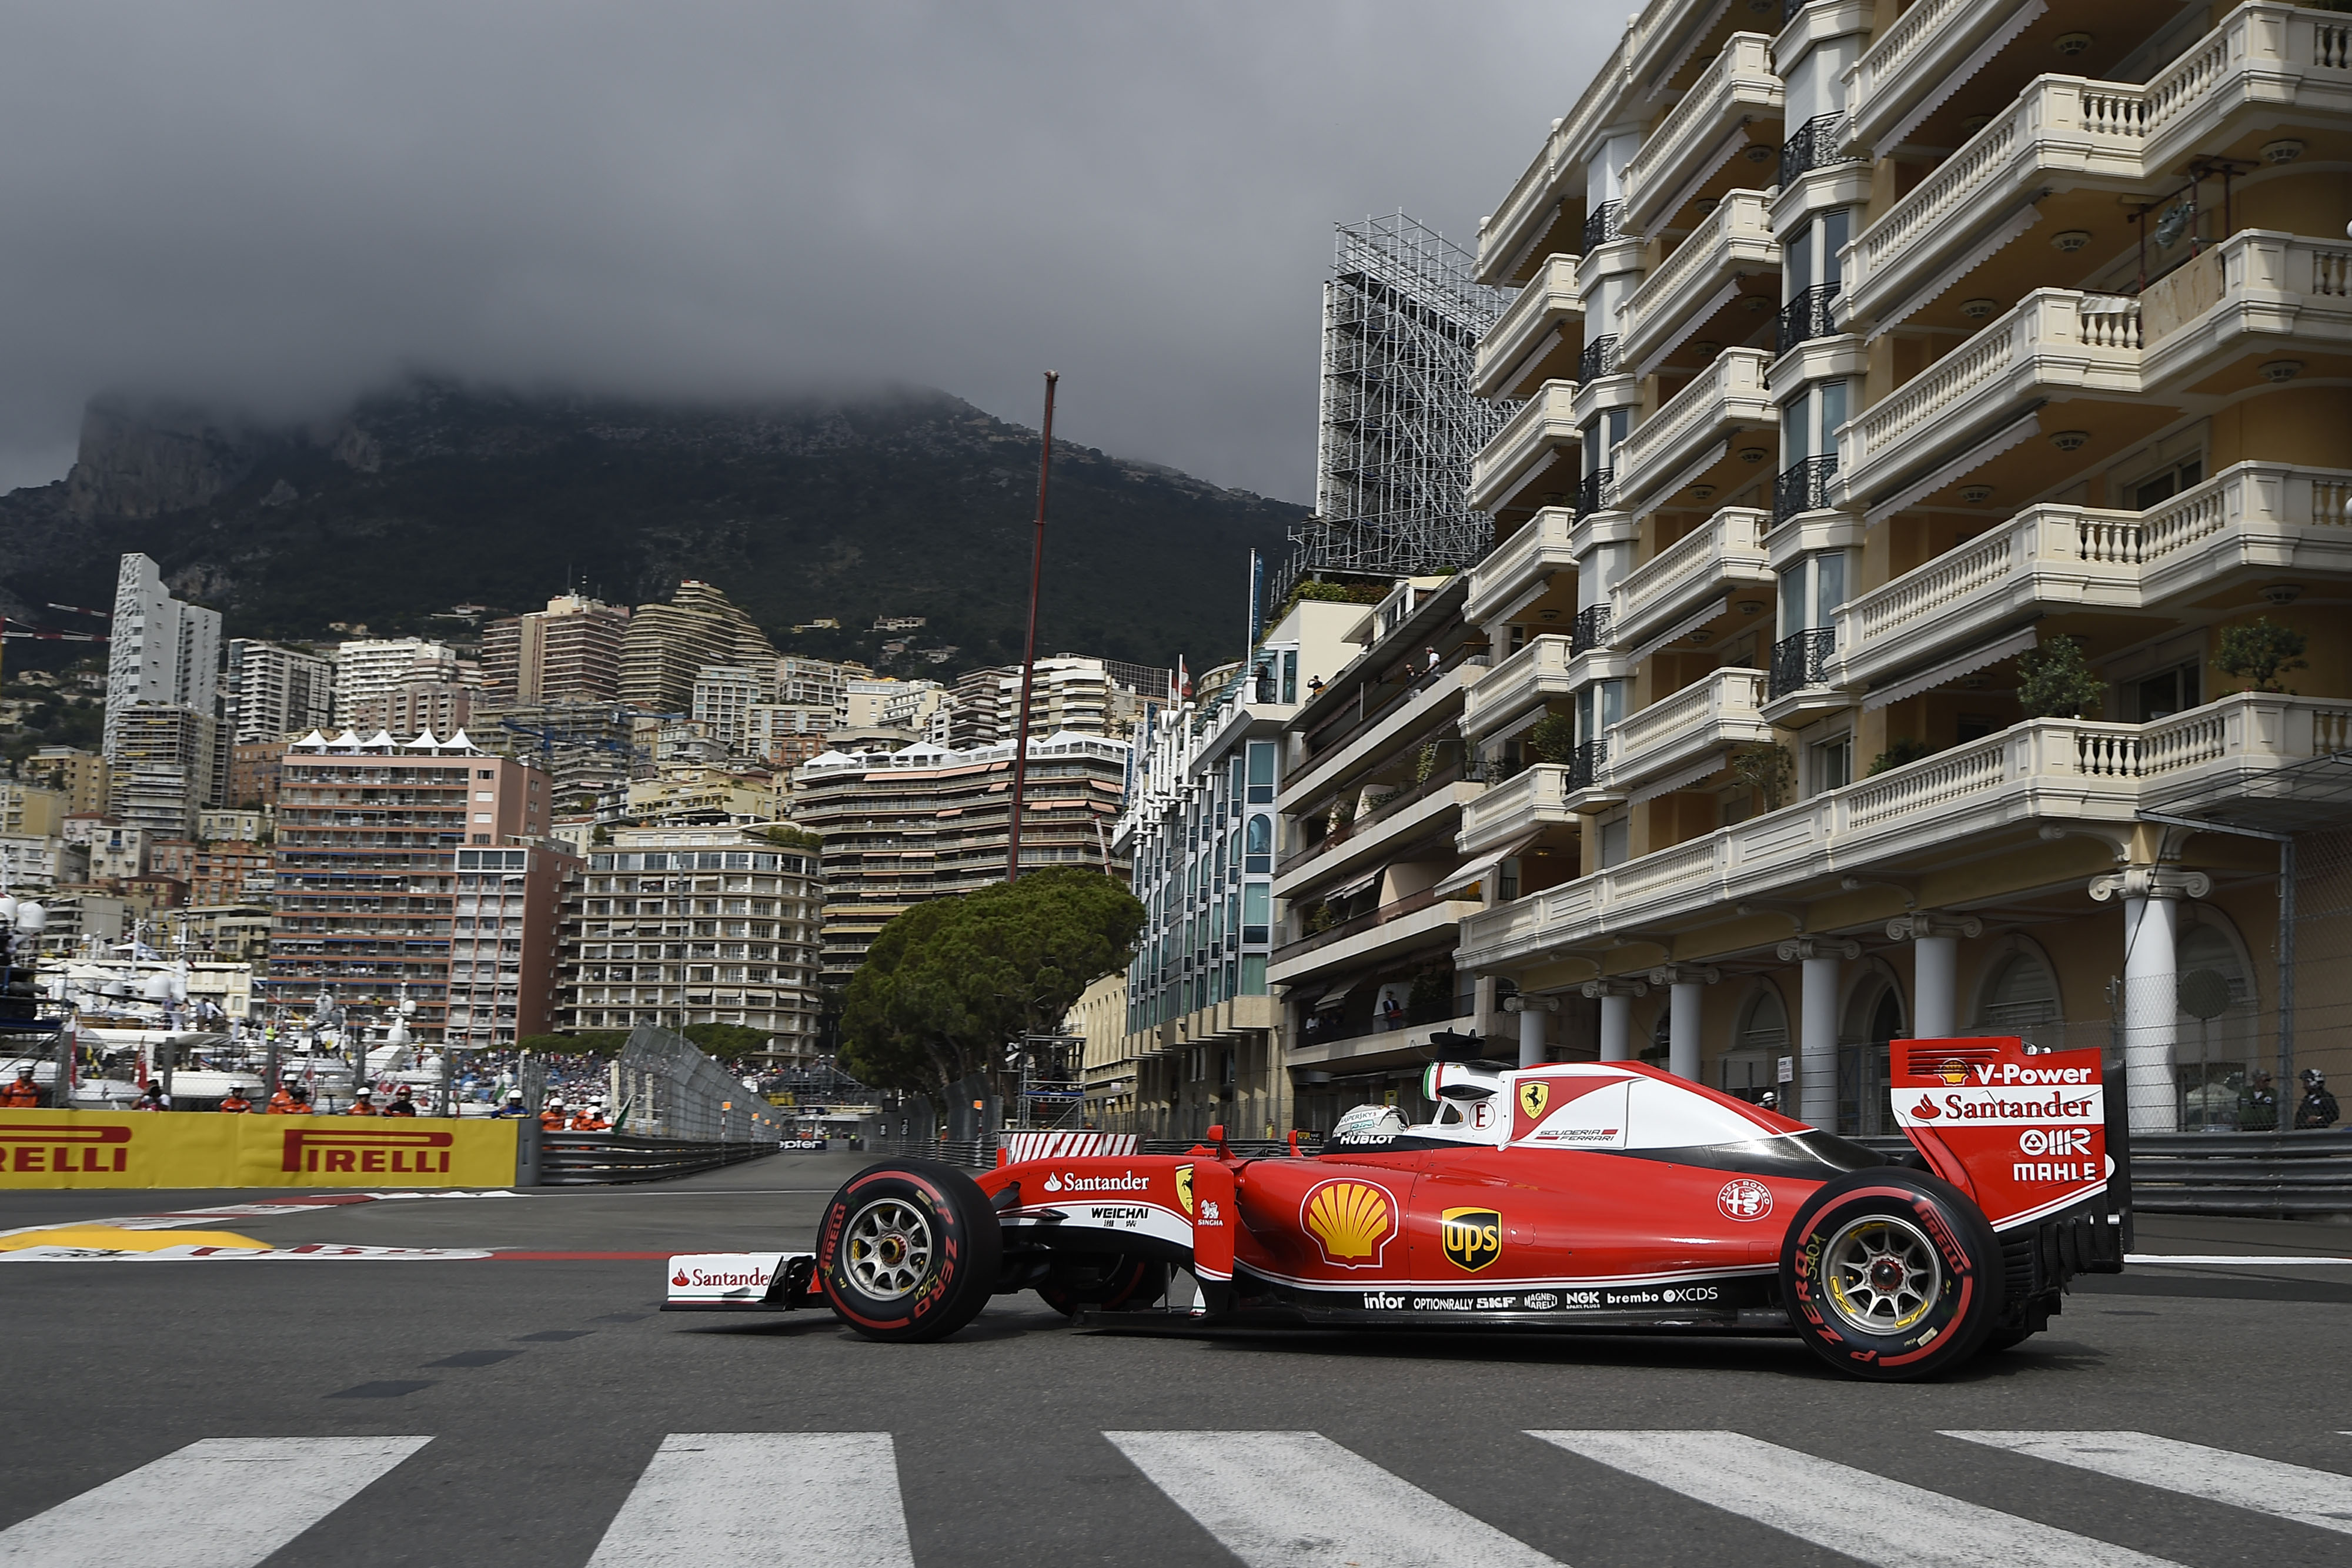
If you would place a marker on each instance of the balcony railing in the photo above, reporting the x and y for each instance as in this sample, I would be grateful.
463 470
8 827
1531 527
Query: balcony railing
1738 86
1538 550
1673 301
1589 630
1537 428
1801 660
1683 726
1596 492
1588 765
1599 359
1548 302
1804 486
1819 143
1536 674
1811 314
1603 223
1730 392
1410 904
1726 549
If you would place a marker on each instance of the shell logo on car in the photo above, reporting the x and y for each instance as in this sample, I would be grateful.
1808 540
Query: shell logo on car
1351 1220
1471 1238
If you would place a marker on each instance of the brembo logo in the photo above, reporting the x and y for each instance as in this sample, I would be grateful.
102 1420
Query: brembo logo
417 1152
30 1147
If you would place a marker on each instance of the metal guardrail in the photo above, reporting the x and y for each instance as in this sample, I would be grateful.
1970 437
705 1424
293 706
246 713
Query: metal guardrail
2277 1176
609 1159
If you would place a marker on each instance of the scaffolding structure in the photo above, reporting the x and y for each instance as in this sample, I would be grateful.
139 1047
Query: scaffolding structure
1401 323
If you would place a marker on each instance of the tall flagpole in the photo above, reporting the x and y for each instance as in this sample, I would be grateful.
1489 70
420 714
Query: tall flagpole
1029 653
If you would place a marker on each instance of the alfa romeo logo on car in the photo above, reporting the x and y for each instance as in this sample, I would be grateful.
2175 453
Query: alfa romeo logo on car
1744 1199
1471 1237
1534 1096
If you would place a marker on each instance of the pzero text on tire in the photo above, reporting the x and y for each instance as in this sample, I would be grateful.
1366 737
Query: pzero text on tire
1891 1274
909 1250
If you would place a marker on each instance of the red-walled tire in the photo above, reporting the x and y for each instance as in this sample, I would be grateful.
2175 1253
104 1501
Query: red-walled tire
1891 1275
909 1250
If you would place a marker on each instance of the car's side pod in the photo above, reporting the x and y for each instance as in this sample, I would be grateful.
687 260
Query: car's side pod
2038 1140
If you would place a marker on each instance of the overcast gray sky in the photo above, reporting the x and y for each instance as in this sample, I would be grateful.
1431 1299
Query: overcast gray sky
282 204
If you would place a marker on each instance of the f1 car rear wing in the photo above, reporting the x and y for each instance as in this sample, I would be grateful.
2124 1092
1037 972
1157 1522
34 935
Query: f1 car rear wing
2029 1134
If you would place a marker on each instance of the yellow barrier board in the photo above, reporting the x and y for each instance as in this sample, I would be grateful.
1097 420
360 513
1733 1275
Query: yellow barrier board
205 1148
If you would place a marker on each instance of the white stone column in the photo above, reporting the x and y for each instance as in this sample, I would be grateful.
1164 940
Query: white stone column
2151 1000
1532 1011
1935 968
1817 1027
1687 985
1616 1015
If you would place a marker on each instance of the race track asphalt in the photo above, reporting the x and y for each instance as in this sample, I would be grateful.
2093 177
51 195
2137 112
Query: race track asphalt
546 1386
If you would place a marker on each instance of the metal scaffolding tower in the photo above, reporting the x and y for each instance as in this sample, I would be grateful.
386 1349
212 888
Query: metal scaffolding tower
1402 324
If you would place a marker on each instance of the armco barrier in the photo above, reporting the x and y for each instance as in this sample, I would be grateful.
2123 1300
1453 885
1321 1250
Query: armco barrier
2277 1176
609 1159
197 1148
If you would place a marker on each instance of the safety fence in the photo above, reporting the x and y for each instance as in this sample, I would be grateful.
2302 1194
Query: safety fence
2278 1175
665 1087
610 1159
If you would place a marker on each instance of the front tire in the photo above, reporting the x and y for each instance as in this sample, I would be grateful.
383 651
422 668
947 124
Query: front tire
909 1251
1891 1275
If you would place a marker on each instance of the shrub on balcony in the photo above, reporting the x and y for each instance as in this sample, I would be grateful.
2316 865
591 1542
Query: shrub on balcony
1905 750
2058 681
1432 998
2259 652
1765 768
1554 738
1318 918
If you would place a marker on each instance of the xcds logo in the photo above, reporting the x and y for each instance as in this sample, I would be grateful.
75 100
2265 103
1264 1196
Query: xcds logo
2060 1142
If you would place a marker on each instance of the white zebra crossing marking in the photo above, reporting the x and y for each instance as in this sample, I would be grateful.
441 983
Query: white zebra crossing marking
224 1502
1853 1512
710 1498
2267 1486
1297 1500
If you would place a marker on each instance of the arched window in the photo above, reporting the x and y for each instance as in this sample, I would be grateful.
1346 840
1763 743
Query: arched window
2021 998
1259 852
2216 1047
1753 1064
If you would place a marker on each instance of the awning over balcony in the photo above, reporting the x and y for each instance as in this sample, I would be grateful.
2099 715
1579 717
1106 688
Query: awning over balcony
1349 889
1483 866
1681 629
1950 670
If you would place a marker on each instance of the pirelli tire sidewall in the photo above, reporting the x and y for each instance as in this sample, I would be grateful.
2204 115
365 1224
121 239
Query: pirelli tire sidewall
966 1252
1955 1323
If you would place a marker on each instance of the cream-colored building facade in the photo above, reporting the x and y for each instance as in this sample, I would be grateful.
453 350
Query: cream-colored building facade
1872 356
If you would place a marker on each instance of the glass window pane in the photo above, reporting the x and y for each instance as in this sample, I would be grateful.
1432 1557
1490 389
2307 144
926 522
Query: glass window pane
1833 401
1833 236
1796 429
1828 577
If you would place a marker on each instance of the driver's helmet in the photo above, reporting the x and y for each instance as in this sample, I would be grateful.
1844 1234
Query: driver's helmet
1368 1121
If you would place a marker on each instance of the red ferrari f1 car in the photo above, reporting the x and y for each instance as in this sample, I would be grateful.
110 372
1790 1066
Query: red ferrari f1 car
1577 1195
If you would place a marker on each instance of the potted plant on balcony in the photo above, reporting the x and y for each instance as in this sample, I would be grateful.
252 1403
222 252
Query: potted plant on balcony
1554 738
2259 652
2058 682
1765 768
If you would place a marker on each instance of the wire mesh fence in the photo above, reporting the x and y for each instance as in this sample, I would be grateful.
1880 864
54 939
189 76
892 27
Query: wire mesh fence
665 1087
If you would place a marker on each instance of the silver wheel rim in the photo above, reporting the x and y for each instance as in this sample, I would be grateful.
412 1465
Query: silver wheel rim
1881 1274
888 1248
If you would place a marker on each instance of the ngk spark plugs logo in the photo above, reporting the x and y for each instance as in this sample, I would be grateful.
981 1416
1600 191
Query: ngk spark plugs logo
368 1151
34 1148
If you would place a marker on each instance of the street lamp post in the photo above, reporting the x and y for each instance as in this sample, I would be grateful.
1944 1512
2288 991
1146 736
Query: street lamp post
1029 651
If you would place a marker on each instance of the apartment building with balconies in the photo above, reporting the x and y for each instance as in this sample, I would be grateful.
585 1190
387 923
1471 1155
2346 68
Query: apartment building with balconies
1203 1041
1921 354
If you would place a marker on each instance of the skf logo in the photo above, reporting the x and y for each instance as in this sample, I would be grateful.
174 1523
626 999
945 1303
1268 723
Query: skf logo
1352 1221
1534 1095
416 1153
1471 1237
31 1147
1184 1187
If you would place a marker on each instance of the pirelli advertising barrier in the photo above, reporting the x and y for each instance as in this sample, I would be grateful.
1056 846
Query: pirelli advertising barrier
196 1149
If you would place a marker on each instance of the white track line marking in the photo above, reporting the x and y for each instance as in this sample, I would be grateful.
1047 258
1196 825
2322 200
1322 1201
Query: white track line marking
753 1500
2205 1257
1297 1500
1835 1506
224 1502
2321 1498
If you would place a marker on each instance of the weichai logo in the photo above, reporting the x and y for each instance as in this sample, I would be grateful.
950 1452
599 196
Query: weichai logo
1471 1238
63 1151
355 1152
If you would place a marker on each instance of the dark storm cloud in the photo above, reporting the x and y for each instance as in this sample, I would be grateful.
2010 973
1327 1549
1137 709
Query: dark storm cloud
280 204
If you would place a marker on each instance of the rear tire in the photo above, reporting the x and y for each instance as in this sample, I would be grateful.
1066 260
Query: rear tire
1891 1275
909 1250
1109 1284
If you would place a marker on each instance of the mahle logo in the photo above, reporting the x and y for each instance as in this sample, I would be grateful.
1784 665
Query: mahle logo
1534 1095
1471 1237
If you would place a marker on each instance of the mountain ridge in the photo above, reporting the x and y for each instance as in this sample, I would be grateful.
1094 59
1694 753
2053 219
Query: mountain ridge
905 502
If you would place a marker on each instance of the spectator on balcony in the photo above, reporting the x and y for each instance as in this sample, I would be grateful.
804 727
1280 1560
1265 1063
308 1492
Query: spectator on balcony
1434 665
1391 1014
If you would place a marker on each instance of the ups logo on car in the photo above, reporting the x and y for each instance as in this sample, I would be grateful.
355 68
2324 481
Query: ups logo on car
1471 1237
